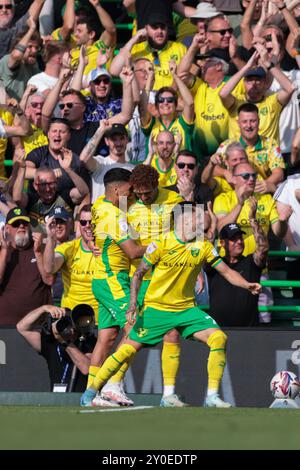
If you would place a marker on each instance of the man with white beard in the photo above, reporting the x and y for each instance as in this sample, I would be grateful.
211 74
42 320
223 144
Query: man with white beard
24 284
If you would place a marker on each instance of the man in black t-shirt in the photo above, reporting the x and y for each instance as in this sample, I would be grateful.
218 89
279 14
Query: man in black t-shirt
230 305
61 350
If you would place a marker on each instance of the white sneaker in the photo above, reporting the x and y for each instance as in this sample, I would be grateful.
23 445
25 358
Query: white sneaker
214 401
117 396
101 401
172 401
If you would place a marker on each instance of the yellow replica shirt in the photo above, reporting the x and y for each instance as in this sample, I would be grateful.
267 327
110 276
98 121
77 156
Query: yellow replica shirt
269 112
7 119
56 36
35 140
110 229
184 27
172 51
166 178
266 214
78 271
265 156
177 126
152 220
177 265
212 119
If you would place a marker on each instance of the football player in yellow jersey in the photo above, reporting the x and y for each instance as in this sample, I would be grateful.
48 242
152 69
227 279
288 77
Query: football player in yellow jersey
161 156
156 47
170 302
150 217
256 91
111 283
166 101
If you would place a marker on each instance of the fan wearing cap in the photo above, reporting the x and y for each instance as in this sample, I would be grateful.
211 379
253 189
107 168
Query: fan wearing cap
196 22
24 284
116 138
62 349
242 310
257 92
156 48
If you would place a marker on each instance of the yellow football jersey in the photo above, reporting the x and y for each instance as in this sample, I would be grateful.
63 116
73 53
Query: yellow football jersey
35 140
77 274
266 215
166 177
91 53
152 220
212 118
177 265
177 126
269 112
110 229
8 120
265 155
172 51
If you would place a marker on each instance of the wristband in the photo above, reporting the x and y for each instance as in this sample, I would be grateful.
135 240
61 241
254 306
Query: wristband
21 48
281 8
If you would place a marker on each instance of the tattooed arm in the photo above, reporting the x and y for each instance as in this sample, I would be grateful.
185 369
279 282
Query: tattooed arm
261 240
134 290
89 150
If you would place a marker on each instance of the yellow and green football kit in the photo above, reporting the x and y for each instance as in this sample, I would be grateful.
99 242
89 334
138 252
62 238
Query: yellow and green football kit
161 60
269 112
111 285
77 275
7 119
166 177
178 126
265 155
266 215
170 300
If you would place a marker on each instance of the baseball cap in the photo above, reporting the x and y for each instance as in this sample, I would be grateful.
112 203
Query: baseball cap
16 214
98 72
116 129
256 72
59 212
205 10
218 53
229 230
157 18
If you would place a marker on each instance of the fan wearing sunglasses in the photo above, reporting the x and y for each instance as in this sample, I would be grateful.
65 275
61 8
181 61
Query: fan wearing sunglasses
74 259
24 284
166 101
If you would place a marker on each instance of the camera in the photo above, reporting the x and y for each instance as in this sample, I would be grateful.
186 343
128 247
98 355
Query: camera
81 320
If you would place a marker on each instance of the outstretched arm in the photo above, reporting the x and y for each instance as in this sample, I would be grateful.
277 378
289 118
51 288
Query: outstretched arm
236 279
109 36
134 290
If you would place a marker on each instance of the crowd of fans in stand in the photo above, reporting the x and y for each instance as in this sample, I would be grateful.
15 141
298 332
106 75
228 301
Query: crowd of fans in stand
209 100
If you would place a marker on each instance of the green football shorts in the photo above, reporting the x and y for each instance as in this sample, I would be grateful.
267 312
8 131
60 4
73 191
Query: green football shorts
152 324
113 295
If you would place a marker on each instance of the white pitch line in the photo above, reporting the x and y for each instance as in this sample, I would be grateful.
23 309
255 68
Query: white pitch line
116 409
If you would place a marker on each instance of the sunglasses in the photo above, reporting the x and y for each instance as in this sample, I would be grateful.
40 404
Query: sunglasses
51 184
105 80
60 222
7 7
20 222
191 166
63 105
83 223
221 31
36 105
247 176
170 99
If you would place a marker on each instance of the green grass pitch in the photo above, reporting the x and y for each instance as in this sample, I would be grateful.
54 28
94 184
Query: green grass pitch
32 428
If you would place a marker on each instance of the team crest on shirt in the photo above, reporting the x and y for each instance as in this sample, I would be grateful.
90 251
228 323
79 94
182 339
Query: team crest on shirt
142 332
174 57
195 252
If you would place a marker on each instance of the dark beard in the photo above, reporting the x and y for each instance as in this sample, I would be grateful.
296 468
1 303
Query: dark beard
154 45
